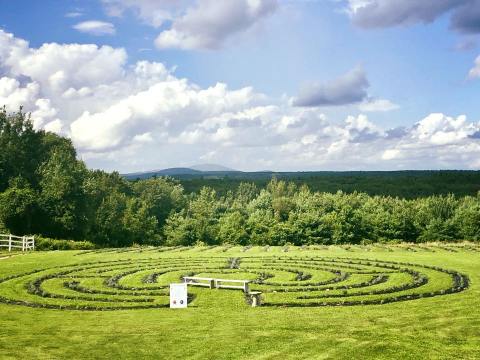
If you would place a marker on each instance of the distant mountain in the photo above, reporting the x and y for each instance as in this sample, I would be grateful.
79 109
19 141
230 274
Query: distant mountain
209 170
163 172
211 167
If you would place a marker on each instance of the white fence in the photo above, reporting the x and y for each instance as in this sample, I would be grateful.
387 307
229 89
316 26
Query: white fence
12 242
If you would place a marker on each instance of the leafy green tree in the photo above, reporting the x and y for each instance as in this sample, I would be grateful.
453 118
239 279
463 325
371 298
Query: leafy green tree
108 230
204 210
233 229
259 225
163 196
62 196
198 223
20 148
305 220
467 218
282 194
283 233
435 218
18 207
245 193
139 224
101 189
180 230
387 218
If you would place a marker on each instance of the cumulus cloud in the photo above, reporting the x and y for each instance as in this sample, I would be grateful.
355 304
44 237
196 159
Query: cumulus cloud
13 95
94 27
376 105
475 71
200 24
151 12
44 115
210 23
439 129
55 126
440 139
60 67
347 89
467 18
386 13
140 116
168 106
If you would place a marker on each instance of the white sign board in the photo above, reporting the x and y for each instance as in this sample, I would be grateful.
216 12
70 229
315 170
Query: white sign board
178 296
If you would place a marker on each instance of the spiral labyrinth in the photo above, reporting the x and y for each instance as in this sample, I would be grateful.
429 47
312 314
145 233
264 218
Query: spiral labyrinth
284 281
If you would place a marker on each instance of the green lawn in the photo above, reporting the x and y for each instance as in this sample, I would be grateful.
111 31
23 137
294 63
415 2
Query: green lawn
378 301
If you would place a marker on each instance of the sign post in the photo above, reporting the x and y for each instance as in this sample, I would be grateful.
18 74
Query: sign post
178 296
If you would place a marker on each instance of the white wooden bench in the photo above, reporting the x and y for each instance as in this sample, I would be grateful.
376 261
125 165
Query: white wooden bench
227 284
199 281
217 283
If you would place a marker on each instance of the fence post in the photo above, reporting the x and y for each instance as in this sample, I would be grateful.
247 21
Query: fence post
33 242
10 243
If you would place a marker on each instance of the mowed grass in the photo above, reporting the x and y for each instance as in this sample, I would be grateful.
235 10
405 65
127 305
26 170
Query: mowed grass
220 325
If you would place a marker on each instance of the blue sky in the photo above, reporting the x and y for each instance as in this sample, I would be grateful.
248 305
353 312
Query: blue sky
321 80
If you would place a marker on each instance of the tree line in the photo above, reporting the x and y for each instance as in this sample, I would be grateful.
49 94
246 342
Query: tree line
46 190
409 184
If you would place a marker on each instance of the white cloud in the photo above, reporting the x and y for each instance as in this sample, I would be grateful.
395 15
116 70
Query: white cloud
54 126
102 131
199 24
390 154
475 71
73 14
60 67
438 129
13 95
438 139
44 113
210 23
376 105
143 138
141 116
386 13
349 88
152 12
94 27
467 18
171 106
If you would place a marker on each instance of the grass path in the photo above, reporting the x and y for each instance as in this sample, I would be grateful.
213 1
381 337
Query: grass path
220 325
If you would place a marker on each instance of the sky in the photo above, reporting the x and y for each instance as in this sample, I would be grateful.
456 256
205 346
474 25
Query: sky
284 85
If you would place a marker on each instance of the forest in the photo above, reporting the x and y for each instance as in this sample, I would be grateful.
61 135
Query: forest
405 184
45 190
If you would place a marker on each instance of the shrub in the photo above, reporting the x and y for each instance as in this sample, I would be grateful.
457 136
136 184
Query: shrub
42 243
